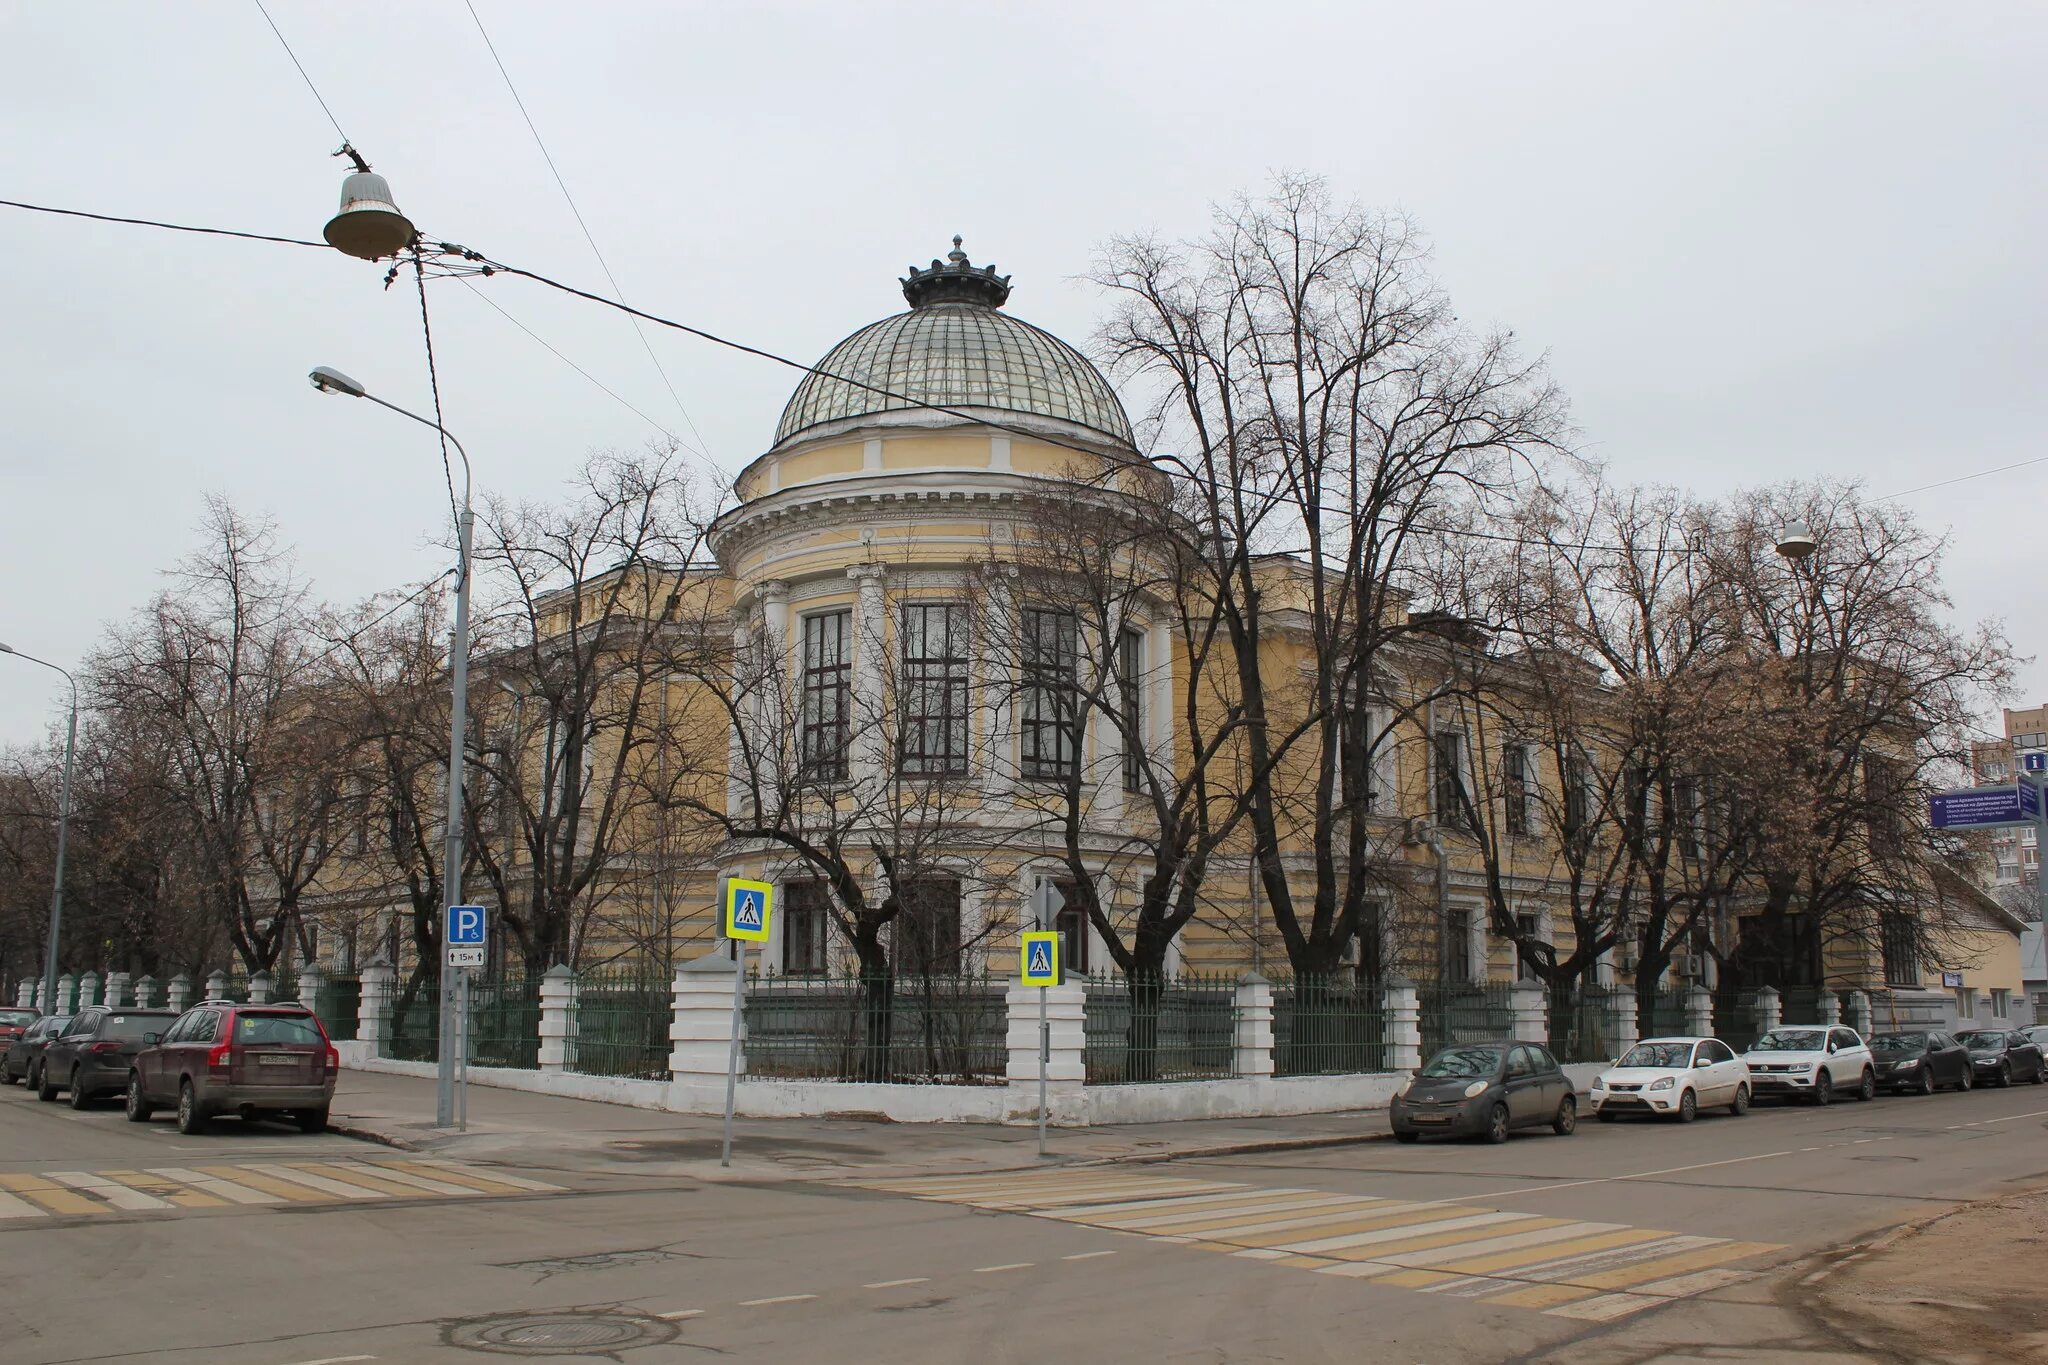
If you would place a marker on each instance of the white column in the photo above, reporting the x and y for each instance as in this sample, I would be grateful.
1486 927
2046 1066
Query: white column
1627 1028
145 993
559 991
1699 1012
1830 1008
88 989
700 1033
216 985
1403 1024
180 994
1065 1073
1859 1012
25 992
67 994
373 1011
1157 687
1769 1009
1254 1026
313 986
737 774
1528 1007
261 987
117 988
996 666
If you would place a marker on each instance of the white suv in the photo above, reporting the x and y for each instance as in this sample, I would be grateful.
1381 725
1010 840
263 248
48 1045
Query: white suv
1816 1062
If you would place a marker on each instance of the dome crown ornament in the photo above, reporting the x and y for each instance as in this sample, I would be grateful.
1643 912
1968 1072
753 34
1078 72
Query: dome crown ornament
955 280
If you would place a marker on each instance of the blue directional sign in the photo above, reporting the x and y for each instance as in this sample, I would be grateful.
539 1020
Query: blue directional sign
1041 959
2030 800
747 908
1978 808
466 926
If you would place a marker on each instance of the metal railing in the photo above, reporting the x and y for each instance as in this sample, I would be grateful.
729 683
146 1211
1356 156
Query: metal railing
1182 1028
341 1003
1735 1018
416 1027
1585 1021
504 1021
1328 1025
907 1029
622 1023
1667 1016
1464 1012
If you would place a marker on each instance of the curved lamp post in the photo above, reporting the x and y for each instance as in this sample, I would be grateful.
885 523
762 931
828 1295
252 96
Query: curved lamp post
63 828
334 381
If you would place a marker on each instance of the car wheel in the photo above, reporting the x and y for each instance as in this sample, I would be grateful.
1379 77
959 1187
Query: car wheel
1400 1136
1740 1104
45 1092
80 1097
137 1107
313 1121
1969 1080
2041 1073
2004 1078
1866 1089
1688 1106
191 1118
1824 1088
1926 1078
1567 1120
1497 1123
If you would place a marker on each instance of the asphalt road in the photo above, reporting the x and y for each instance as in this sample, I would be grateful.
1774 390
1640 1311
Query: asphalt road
257 1246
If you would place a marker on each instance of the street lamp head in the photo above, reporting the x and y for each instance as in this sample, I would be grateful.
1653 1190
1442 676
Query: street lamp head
369 226
329 380
1795 542
6 649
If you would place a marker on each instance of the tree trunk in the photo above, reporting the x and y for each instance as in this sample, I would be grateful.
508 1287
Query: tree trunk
877 1004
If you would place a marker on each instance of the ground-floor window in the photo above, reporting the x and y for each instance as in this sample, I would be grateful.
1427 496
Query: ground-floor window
1071 923
805 928
926 940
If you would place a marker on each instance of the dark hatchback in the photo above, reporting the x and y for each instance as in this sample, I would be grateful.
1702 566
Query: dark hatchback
1485 1090
1921 1063
14 1021
96 1051
2001 1057
18 1063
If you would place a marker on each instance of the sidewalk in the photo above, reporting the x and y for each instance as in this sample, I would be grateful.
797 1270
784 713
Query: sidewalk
551 1131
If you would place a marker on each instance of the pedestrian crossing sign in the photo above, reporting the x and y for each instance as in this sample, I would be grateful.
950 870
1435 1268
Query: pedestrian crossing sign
747 908
1041 959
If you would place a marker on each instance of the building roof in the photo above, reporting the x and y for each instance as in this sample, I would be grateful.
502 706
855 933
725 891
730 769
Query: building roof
955 348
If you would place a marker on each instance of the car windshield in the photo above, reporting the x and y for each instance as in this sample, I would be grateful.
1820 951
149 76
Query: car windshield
1791 1040
1454 1062
1659 1054
132 1025
1898 1042
52 1024
275 1028
1981 1039
13 1016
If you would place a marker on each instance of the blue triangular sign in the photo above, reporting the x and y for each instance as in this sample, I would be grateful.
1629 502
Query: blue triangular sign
746 910
1041 959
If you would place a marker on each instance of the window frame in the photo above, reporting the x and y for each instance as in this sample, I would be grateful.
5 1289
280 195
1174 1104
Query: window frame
1050 671
818 916
1459 786
826 694
929 677
1071 923
1517 769
950 959
1130 673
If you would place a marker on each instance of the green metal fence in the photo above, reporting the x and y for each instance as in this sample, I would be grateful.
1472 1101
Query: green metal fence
906 1029
341 1002
622 1021
1183 1028
416 1027
1585 1020
1735 1018
1328 1025
504 1021
1667 1017
1464 1012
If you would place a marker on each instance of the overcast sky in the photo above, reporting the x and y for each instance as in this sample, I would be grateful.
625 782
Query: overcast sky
1756 241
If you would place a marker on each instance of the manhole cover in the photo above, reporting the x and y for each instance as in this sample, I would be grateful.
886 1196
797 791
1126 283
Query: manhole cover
545 1334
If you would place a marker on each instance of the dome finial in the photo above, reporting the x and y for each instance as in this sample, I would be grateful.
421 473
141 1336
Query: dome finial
956 255
955 280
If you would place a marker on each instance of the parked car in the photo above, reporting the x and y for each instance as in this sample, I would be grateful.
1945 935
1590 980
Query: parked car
1672 1078
1485 1089
14 1022
17 1063
1922 1062
92 1056
1813 1062
2000 1057
271 1061
2039 1033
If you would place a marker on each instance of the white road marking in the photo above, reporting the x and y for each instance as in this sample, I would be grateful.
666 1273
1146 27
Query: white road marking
334 1360
491 1173
680 1314
779 1298
417 1182
13 1207
1013 1265
2038 1113
209 1184
1633 1175
1512 1242
113 1191
294 1176
1405 1232
898 1284
1086 1255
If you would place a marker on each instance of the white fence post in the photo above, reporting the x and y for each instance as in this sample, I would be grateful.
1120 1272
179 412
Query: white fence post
1859 1013
25 992
1527 1006
313 987
700 1029
1066 1072
117 988
216 985
1830 1008
1699 1012
373 1010
1403 1008
67 995
179 994
1769 1010
1627 1026
88 989
1254 1052
558 995
261 987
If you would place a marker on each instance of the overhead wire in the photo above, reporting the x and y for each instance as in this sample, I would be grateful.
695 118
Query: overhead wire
559 355
302 70
700 449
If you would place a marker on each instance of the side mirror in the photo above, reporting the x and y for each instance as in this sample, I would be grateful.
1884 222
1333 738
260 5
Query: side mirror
1703 1061
152 1039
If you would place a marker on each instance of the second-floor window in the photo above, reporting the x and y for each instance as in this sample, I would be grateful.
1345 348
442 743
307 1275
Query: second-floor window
1051 661
933 737
1130 673
1447 762
1516 774
827 665
1901 950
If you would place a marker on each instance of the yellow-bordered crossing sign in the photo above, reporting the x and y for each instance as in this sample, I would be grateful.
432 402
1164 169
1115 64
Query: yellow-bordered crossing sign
1040 959
748 908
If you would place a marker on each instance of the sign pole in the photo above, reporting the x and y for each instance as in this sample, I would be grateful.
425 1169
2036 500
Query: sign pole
732 1056
749 908
462 1075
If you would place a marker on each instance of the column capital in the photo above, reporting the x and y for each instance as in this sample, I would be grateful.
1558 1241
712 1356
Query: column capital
867 575
772 590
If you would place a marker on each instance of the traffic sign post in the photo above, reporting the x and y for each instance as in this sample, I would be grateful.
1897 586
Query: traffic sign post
749 910
465 934
1039 957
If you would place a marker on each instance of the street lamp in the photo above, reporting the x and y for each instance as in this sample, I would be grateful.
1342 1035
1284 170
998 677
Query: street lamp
1795 542
63 828
334 381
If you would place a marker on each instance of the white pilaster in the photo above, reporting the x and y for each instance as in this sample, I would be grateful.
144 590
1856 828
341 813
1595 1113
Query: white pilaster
1254 1050
1066 1072
559 992
1403 1008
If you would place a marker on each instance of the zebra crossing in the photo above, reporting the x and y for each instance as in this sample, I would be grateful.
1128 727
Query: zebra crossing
1566 1267
276 1184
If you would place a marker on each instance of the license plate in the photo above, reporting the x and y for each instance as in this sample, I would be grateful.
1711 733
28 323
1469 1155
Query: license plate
275 1059
1429 1118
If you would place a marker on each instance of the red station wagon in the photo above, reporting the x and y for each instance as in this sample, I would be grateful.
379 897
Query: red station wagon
258 1061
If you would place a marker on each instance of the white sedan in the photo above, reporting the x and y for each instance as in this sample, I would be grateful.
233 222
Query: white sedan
1673 1078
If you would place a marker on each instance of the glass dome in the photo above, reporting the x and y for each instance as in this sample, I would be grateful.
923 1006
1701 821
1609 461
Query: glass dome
955 348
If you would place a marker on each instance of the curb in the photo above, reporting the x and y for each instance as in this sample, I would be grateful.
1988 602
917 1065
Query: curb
362 1134
1308 1144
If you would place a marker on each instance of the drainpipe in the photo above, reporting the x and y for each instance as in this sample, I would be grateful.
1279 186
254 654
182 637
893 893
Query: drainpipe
1435 839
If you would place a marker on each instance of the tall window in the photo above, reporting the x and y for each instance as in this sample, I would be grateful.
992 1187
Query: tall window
933 742
927 933
1071 923
828 668
1514 779
1901 950
1578 790
1447 755
1685 815
1526 928
1130 674
1458 964
805 928
1051 726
